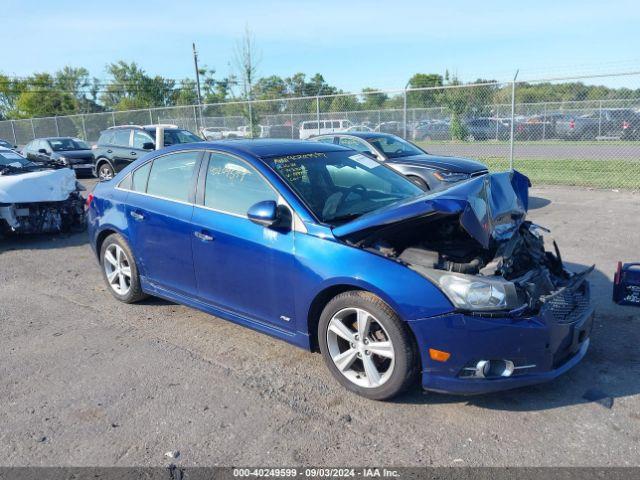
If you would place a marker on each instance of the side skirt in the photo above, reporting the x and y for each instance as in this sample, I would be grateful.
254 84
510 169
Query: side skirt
296 338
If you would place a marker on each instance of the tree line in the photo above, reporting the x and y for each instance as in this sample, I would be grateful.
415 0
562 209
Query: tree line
73 90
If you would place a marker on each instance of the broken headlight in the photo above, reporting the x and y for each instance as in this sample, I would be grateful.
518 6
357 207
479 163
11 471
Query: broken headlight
470 292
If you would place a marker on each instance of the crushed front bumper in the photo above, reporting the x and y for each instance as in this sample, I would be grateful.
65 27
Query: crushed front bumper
541 346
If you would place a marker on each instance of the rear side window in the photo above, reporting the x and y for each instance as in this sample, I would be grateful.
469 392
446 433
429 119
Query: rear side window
121 137
139 178
171 176
232 186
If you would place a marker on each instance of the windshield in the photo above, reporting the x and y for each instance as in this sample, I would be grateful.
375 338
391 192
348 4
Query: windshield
67 144
394 147
340 186
13 159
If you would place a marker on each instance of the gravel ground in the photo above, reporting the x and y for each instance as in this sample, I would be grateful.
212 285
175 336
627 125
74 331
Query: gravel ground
87 381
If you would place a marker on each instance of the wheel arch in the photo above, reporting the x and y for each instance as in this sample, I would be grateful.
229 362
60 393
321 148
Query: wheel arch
101 160
325 295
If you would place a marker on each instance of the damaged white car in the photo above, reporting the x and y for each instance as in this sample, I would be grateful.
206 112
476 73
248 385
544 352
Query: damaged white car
37 199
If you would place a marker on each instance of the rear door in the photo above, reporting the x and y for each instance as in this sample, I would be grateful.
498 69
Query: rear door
159 211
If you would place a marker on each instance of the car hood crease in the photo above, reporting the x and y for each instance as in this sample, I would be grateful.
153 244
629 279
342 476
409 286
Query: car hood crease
490 207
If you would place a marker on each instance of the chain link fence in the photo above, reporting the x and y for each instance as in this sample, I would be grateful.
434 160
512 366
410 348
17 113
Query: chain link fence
592 140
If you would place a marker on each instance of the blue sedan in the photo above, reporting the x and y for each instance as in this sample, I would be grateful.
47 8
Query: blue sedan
335 252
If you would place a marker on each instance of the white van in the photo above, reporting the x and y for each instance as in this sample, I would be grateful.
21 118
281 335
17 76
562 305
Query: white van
311 127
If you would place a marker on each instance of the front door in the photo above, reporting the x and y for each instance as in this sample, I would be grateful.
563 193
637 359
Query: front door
241 266
159 220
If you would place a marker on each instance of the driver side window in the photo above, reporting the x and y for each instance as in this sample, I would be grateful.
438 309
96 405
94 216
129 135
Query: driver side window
232 185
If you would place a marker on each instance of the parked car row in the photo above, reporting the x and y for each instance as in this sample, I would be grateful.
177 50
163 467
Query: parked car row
607 123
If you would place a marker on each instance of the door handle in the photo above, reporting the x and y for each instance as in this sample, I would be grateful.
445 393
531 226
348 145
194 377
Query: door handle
133 153
109 151
205 237
137 216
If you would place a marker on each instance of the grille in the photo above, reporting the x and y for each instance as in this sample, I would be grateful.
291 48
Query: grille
569 304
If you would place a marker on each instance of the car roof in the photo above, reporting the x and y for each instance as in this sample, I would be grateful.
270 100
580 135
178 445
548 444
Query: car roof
58 138
265 148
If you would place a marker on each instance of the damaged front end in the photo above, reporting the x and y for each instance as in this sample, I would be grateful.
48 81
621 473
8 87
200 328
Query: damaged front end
42 201
474 243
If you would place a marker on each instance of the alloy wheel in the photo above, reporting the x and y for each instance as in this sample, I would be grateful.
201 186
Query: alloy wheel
118 269
360 347
105 173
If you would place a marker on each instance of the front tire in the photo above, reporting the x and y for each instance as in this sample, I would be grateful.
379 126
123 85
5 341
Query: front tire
119 269
105 172
366 346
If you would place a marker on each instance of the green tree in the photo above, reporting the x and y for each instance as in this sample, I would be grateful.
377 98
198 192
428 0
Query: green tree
424 98
373 99
132 88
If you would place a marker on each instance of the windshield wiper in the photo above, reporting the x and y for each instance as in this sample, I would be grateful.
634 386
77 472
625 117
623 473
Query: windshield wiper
344 218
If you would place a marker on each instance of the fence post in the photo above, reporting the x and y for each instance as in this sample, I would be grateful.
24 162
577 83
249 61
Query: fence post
150 117
600 120
55 119
318 112
404 113
544 121
513 117
113 118
13 130
33 129
250 117
84 129
291 125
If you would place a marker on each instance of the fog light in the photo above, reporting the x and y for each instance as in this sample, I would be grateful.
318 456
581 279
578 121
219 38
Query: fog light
492 369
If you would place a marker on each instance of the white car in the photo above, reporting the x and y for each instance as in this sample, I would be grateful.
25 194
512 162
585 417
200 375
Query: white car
214 133
312 127
244 131
37 199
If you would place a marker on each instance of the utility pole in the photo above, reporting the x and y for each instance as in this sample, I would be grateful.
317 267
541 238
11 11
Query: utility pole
195 63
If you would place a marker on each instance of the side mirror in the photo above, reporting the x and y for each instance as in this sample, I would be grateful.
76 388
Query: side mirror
148 146
269 214
42 151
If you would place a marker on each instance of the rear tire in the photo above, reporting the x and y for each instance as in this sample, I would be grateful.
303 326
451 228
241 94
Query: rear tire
119 269
373 347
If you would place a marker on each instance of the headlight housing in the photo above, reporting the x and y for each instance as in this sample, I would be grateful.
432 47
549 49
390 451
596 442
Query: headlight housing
476 293
451 177
64 160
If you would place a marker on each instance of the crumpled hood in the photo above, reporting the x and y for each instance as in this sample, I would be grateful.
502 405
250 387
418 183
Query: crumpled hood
451 164
40 186
490 207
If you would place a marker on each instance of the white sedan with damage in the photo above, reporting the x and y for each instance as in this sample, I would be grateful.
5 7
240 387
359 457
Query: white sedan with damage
37 199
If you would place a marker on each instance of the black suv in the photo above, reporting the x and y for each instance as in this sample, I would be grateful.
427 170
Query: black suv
118 146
